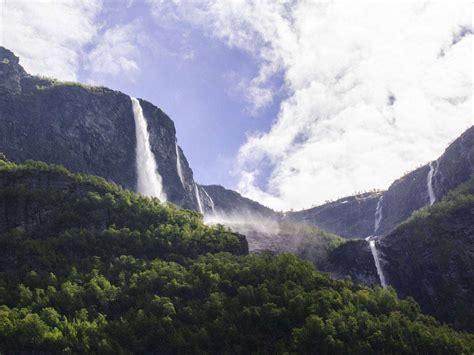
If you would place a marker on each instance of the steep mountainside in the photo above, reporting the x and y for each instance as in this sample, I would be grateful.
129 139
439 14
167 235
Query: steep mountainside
411 192
350 217
352 259
87 267
354 217
231 203
87 129
431 257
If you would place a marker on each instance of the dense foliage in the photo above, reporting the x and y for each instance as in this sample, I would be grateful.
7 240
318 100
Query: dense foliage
88 267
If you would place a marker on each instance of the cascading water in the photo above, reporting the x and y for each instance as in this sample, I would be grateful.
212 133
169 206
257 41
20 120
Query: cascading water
211 201
375 254
371 240
198 198
429 181
378 215
149 182
178 164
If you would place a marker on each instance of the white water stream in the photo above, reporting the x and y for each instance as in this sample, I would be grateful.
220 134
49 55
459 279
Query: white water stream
149 182
211 201
371 240
429 181
179 168
198 198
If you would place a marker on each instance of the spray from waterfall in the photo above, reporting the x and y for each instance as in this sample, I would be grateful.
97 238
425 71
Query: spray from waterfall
149 182
429 181
198 198
179 168
371 240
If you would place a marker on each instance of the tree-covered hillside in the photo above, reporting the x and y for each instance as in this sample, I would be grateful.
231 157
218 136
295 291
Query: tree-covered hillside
88 267
431 257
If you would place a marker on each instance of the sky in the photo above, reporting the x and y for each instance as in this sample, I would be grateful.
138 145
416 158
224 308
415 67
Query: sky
291 102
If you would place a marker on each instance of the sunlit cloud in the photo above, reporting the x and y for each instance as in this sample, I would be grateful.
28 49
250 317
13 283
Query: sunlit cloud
374 89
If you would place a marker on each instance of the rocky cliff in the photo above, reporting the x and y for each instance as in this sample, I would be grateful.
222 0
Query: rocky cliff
231 203
354 216
87 129
410 192
431 257
354 260
350 217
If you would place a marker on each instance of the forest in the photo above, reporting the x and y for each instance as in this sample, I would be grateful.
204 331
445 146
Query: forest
88 267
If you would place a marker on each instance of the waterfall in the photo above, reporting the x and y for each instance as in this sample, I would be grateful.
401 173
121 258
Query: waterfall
375 254
378 215
371 240
149 182
429 181
198 198
211 201
178 164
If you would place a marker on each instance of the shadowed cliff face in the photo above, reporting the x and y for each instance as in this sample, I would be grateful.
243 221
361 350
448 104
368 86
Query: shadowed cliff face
354 216
87 129
431 258
353 259
229 202
410 192
350 217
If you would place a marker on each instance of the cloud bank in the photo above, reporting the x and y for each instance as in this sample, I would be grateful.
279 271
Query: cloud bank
61 39
375 89
48 36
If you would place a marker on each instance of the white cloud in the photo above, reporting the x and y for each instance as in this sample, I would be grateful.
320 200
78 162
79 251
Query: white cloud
48 35
116 52
375 89
63 38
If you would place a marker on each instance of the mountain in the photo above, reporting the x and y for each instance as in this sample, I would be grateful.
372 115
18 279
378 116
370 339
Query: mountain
349 217
354 216
92 130
230 203
87 129
431 257
89 267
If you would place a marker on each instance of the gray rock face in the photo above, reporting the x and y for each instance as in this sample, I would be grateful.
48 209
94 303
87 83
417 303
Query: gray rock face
229 202
10 72
89 130
353 259
350 217
410 192
354 216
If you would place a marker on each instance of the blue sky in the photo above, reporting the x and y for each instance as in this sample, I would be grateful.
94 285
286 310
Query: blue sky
290 102
192 77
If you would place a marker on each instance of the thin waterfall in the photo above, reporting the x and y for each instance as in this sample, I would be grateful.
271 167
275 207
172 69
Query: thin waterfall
371 240
378 215
375 254
149 182
179 168
198 198
211 201
429 181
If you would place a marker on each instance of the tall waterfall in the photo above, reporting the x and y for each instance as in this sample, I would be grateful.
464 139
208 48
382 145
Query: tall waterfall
429 181
371 240
149 180
198 198
179 168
